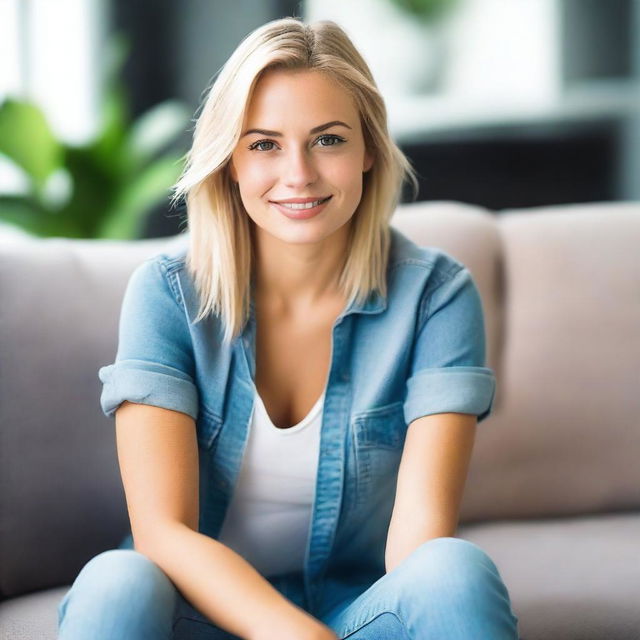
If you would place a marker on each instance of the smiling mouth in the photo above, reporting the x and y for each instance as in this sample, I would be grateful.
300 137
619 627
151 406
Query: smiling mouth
295 206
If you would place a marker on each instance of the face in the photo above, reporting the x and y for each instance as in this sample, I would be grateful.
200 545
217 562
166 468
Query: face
301 152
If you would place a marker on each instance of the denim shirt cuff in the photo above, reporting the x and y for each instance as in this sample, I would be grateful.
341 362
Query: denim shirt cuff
463 389
149 383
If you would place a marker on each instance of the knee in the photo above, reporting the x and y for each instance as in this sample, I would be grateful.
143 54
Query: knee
445 576
451 552
452 561
118 577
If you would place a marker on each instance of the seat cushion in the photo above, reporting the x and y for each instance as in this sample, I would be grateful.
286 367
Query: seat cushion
33 616
569 579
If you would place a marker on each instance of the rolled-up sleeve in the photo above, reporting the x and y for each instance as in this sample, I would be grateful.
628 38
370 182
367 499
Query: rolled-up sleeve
154 363
448 372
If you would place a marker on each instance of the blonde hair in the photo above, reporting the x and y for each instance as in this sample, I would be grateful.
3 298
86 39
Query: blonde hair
220 255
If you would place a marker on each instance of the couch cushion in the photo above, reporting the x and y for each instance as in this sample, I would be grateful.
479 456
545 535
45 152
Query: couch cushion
33 616
569 578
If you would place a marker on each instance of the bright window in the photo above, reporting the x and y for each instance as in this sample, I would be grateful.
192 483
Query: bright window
50 53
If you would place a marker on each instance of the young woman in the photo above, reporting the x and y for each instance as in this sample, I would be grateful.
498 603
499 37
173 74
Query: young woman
296 392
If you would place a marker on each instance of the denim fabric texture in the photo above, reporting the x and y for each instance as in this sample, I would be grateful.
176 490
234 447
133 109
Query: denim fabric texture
447 589
418 351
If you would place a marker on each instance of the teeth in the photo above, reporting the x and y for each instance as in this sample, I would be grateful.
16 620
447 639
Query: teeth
295 205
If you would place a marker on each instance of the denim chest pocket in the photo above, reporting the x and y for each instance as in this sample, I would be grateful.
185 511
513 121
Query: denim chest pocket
207 430
378 439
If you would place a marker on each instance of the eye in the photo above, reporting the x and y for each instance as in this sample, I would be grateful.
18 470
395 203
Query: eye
333 141
258 143
337 140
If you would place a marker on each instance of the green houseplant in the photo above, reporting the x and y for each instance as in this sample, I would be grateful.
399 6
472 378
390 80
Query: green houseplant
104 188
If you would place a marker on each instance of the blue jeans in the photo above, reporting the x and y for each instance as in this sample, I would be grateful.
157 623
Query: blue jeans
447 589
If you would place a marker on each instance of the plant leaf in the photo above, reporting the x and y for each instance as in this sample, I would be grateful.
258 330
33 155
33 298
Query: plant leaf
134 202
28 216
27 139
155 129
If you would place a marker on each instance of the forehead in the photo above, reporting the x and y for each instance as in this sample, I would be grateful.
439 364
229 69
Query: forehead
309 93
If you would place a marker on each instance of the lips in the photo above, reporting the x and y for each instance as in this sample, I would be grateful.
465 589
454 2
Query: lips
300 211
301 200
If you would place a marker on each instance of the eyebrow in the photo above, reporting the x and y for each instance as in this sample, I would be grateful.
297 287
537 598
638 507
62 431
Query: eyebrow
277 134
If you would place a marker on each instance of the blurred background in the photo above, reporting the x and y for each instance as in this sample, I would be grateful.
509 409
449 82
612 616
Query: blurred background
499 103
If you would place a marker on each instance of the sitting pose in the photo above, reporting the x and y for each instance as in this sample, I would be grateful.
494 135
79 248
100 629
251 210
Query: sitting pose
296 390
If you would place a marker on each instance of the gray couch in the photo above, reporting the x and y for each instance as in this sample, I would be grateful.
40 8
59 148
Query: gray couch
553 493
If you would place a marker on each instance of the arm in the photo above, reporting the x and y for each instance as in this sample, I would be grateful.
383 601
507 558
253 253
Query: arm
449 391
431 480
158 457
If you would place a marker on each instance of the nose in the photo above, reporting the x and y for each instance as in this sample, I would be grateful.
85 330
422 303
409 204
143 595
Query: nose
299 169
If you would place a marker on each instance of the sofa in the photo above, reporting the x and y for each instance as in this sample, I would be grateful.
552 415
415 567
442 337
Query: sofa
553 491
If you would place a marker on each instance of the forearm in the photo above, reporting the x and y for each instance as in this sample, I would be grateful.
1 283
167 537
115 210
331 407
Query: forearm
221 584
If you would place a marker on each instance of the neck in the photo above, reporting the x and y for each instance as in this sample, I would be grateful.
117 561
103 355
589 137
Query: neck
292 277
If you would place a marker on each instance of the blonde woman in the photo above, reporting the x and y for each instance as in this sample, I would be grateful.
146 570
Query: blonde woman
296 392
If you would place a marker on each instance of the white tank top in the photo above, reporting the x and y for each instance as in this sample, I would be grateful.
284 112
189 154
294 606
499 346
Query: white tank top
268 518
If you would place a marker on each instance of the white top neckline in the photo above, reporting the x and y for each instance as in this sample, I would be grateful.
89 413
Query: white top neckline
259 404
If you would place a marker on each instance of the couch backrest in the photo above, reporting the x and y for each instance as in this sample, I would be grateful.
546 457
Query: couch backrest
61 498
561 294
566 437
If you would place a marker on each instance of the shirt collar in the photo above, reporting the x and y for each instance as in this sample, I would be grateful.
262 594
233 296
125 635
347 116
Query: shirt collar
375 303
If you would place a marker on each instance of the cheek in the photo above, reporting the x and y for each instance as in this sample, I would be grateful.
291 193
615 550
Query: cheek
352 179
254 178
347 175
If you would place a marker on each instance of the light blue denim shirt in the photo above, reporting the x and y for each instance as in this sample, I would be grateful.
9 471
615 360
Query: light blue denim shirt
419 351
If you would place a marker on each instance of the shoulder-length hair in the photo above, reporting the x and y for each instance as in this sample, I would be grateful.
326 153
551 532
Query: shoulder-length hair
220 255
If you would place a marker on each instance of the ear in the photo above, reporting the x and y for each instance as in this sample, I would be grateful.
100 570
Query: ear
368 161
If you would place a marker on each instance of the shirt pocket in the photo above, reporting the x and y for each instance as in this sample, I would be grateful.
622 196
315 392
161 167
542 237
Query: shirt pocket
379 436
208 429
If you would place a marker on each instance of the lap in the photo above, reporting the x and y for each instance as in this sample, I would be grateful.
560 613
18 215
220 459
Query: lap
190 624
424 584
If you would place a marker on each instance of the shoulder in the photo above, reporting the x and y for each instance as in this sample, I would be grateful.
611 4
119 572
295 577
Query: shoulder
429 264
170 271
159 275
170 261
425 279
